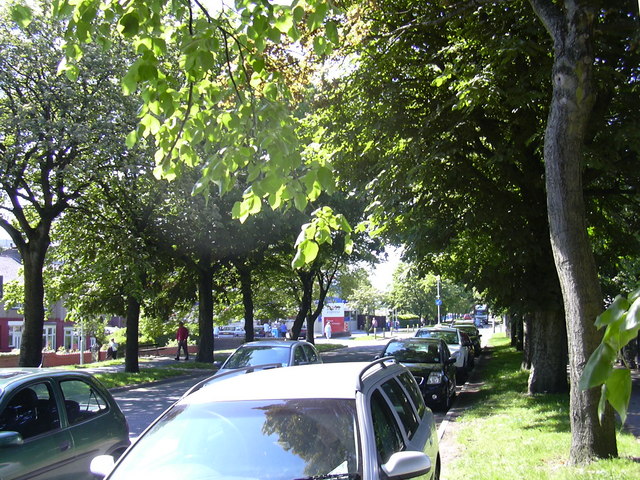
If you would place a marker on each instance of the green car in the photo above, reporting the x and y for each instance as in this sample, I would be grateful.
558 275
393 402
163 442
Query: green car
53 422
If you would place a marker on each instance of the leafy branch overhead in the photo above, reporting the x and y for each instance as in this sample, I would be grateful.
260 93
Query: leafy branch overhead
622 322
227 106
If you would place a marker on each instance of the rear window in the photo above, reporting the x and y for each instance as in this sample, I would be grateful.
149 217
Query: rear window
253 356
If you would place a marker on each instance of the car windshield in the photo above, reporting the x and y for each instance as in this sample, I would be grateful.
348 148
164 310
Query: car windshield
450 338
413 352
275 440
258 355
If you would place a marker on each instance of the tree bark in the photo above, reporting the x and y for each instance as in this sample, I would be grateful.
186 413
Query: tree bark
205 312
33 255
247 300
306 279
570 25
548 350
131 364
527 339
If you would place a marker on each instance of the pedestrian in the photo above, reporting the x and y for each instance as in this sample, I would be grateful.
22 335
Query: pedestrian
327 330
266 328
181 335
112 350
283 330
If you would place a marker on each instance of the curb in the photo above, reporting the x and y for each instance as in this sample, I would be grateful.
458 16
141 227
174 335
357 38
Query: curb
456 409
196 374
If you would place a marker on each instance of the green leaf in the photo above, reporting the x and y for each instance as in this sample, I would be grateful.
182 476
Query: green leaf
632 320
598 368
332 32
325 177
618 308
284 22
132 138
129 24
619 391
348 245
22 15
300 201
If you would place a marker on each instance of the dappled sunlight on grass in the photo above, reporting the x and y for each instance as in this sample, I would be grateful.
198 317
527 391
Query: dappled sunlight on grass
509 434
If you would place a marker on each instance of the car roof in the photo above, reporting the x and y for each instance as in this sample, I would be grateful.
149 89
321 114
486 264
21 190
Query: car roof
274 343
20 375
442 328
328 380
416 340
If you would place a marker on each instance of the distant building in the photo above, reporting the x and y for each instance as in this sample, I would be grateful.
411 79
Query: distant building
56 332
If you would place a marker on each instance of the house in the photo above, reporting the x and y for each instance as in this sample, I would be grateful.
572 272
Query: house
56 332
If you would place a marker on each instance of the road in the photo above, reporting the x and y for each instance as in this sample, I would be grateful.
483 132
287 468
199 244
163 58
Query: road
143 404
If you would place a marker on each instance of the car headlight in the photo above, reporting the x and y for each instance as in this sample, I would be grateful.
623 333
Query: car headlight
434 378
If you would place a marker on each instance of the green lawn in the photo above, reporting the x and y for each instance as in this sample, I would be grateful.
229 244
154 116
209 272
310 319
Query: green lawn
508 434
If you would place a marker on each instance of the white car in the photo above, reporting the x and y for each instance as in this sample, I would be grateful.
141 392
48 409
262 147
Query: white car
458 342
340 421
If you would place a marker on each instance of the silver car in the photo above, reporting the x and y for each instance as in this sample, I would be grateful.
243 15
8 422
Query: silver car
341 420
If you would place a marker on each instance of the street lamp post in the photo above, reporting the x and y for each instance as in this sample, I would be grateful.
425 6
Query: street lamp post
438 301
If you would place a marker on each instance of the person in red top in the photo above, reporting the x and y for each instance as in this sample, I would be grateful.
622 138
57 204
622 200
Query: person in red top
181 335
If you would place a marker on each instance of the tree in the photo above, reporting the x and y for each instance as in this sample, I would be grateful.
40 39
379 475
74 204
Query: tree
56 137
571 27
231 111
453 124
472 208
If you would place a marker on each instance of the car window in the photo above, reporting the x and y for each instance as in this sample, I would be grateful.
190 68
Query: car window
30 412
299 358
402 405
387 434
283 439
409 383
81 401
413 352
312 356
257 355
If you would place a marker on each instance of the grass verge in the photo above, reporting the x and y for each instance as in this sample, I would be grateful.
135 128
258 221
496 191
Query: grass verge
508 434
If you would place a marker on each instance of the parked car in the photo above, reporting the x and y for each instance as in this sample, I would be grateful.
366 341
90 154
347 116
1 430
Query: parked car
340 420
432 365
231 331
459 345
271 352
53 422
474 334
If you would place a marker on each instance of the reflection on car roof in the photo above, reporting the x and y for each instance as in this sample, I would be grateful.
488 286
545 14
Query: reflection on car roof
329 380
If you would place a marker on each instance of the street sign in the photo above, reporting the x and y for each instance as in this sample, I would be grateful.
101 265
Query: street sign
438 302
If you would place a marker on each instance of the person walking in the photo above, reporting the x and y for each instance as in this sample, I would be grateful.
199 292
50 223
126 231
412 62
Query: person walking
181 335
112 350
327 330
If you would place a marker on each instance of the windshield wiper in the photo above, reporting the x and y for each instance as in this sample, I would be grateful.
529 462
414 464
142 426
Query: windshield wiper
345 476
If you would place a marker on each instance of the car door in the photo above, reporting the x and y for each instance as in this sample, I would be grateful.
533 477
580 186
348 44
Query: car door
312 356
397 424
92 428
47 448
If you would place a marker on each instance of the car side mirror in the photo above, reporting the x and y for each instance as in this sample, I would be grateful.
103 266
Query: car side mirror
450 360
407 464
10 439
102 465
218 365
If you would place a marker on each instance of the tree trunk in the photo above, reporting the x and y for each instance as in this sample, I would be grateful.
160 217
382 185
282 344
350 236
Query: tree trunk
527 336
205 313
548 348
247 301
33 255
306 279
571 28
133 328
